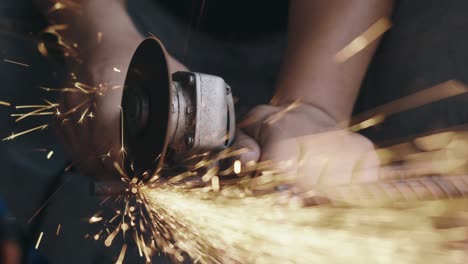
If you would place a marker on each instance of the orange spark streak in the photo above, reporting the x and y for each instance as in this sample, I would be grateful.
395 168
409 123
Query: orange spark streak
39 240
58 229
80 121
95 219
13 135
35 114
110 238
237 167
76 107
365 39
274 118
49 155
436 93
119 169
73 90
32 106
5 103
122 254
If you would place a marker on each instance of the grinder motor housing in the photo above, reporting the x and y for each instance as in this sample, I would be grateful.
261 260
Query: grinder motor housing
168 118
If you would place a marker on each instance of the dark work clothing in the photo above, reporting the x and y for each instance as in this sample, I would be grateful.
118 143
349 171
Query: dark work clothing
234 20
426 46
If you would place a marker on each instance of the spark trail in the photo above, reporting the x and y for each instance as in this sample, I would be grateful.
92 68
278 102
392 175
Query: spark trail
261 230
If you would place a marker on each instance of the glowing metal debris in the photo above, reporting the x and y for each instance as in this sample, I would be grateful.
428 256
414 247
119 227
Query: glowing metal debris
15 135
122 254
276 117
5 103
56 6
38 242
237 166
362 41
429 95
95 219
258 230
49 155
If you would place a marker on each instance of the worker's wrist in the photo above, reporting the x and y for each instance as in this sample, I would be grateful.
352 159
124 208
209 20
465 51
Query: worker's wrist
319 113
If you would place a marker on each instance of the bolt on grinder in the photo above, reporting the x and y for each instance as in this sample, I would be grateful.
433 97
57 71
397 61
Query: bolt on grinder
167 118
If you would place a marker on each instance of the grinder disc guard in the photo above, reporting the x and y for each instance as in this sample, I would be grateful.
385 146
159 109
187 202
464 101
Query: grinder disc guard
146 106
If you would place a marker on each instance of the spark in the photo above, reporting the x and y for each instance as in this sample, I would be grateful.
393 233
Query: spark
80 121
237 167
215 183
38 111
67 48
72 90
368 123
258 230
34 114
217 220
16 62
119 169
83 87
5 103
122 254
110 238
276 117
122 137
95 219
429 95
70 5
42 49
104 156
57 6
13 135
39 240
58 230
362 41
76 107
49 155
34 106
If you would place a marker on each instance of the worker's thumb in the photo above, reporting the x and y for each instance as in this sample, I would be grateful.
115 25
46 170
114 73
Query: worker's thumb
252 149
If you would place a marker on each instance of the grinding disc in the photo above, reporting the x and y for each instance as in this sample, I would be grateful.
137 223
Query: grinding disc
146 106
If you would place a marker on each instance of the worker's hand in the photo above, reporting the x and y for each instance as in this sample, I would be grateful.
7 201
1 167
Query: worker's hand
92 133
306 143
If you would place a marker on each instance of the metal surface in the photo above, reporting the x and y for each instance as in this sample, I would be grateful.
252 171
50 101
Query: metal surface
186 113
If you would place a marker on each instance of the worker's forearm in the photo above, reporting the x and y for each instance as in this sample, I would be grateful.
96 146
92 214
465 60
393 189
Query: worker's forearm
317 31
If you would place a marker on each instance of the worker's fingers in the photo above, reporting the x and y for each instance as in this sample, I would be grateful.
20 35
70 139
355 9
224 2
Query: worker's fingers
257 120
335 158
243 141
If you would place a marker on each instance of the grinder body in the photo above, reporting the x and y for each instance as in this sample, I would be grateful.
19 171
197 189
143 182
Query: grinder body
167 118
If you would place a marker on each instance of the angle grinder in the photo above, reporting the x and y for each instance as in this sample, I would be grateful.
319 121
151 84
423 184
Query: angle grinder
167 118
